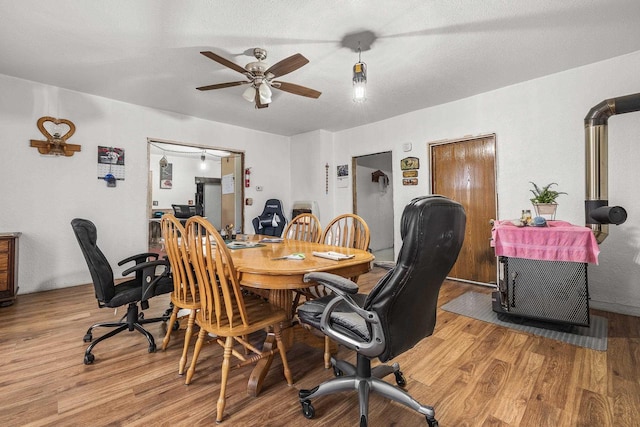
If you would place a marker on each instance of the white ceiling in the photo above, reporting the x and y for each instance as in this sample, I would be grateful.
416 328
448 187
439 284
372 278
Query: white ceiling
427 52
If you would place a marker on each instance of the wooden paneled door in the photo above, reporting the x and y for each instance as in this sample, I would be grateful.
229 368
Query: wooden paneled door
464 171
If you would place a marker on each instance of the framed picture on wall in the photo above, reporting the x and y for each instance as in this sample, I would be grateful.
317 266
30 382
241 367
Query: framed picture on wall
166 176
410 163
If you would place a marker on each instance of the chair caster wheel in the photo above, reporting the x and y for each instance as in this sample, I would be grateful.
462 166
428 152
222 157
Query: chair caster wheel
432 422
400 379
88 359
87 338
140 316
152 348
363 421
307 409
176 326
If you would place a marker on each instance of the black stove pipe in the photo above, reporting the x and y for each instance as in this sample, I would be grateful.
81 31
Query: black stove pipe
598 215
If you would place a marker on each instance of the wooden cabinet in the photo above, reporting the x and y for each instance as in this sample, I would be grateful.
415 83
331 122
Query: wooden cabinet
8 267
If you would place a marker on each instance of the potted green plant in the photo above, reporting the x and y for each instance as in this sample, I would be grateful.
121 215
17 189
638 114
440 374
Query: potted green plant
544 200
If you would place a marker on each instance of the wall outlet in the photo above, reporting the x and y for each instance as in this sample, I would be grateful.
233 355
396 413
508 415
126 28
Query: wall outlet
155 203
258 187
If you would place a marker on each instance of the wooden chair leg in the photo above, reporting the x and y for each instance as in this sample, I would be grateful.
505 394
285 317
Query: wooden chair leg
172 320
196 353
327 353
187 341
226 363
283 354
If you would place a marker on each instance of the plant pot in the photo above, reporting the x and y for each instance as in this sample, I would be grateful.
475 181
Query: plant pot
546 210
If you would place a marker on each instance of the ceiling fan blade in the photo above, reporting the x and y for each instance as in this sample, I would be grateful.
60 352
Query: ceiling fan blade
297 89
220 60
287 65
222 85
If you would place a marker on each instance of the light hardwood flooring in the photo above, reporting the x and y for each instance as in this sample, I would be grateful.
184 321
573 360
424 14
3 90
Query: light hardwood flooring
473 373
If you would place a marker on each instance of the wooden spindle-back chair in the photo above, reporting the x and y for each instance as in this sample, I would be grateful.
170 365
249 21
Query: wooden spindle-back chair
185 293
305 227
225 310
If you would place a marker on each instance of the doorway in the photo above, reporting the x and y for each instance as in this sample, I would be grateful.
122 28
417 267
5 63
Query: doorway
184 174
464 170
373 201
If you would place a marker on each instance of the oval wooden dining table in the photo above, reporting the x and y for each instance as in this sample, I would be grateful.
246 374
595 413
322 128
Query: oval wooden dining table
262 267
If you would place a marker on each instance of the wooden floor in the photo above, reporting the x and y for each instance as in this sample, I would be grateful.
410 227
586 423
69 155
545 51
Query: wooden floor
473 373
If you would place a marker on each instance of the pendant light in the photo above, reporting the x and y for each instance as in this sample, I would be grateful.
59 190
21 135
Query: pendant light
359 79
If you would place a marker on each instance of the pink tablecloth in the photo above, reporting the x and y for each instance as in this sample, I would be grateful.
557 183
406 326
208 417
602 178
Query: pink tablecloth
558 241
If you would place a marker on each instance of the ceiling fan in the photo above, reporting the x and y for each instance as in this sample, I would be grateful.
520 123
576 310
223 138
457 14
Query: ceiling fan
261 77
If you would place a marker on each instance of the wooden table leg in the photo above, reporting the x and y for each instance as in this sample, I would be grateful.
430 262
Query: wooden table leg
282 298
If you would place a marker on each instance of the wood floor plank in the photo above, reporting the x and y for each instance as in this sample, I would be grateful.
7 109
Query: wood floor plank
473 373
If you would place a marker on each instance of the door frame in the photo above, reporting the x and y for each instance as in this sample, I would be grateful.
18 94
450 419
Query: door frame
354 189
238 179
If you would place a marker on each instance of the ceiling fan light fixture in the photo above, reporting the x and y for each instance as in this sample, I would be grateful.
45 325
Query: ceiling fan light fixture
265 93
249 94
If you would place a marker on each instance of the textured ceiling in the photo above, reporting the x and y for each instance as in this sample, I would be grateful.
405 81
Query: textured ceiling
426 52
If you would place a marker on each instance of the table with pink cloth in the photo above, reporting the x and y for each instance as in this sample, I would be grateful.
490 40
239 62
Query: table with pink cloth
557 241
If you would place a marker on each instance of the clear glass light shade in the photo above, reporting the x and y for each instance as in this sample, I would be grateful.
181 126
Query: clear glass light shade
203 164
249 94
163 162
265 93
360 91
360 82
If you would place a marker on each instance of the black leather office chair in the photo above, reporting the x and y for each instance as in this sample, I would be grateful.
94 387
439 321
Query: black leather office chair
271 221
398 312
146 284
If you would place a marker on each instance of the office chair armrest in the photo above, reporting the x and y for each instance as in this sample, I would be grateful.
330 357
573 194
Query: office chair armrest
139 258
332 281
342 289
149 277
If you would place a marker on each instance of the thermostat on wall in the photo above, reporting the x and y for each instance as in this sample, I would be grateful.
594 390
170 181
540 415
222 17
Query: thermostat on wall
406 146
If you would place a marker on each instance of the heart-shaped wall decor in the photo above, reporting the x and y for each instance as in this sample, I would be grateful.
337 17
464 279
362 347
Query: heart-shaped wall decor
55 144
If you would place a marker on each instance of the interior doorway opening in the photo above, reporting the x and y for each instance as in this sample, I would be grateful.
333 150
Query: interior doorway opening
373 201
210 179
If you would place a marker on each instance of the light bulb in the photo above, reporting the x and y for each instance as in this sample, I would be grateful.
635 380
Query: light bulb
360 92
203 165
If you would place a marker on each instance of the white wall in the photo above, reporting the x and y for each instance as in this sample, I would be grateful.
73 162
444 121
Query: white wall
540 137
39 195
312 152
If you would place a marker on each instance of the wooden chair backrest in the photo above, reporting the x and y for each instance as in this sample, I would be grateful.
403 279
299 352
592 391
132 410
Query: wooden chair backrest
221 301
176 245
305 227
347 230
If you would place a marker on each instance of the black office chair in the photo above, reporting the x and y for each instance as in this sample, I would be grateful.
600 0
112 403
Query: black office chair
146 284
271 221
398 312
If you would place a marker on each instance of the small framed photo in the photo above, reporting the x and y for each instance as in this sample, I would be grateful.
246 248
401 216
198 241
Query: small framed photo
410 163
410 181
166 176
